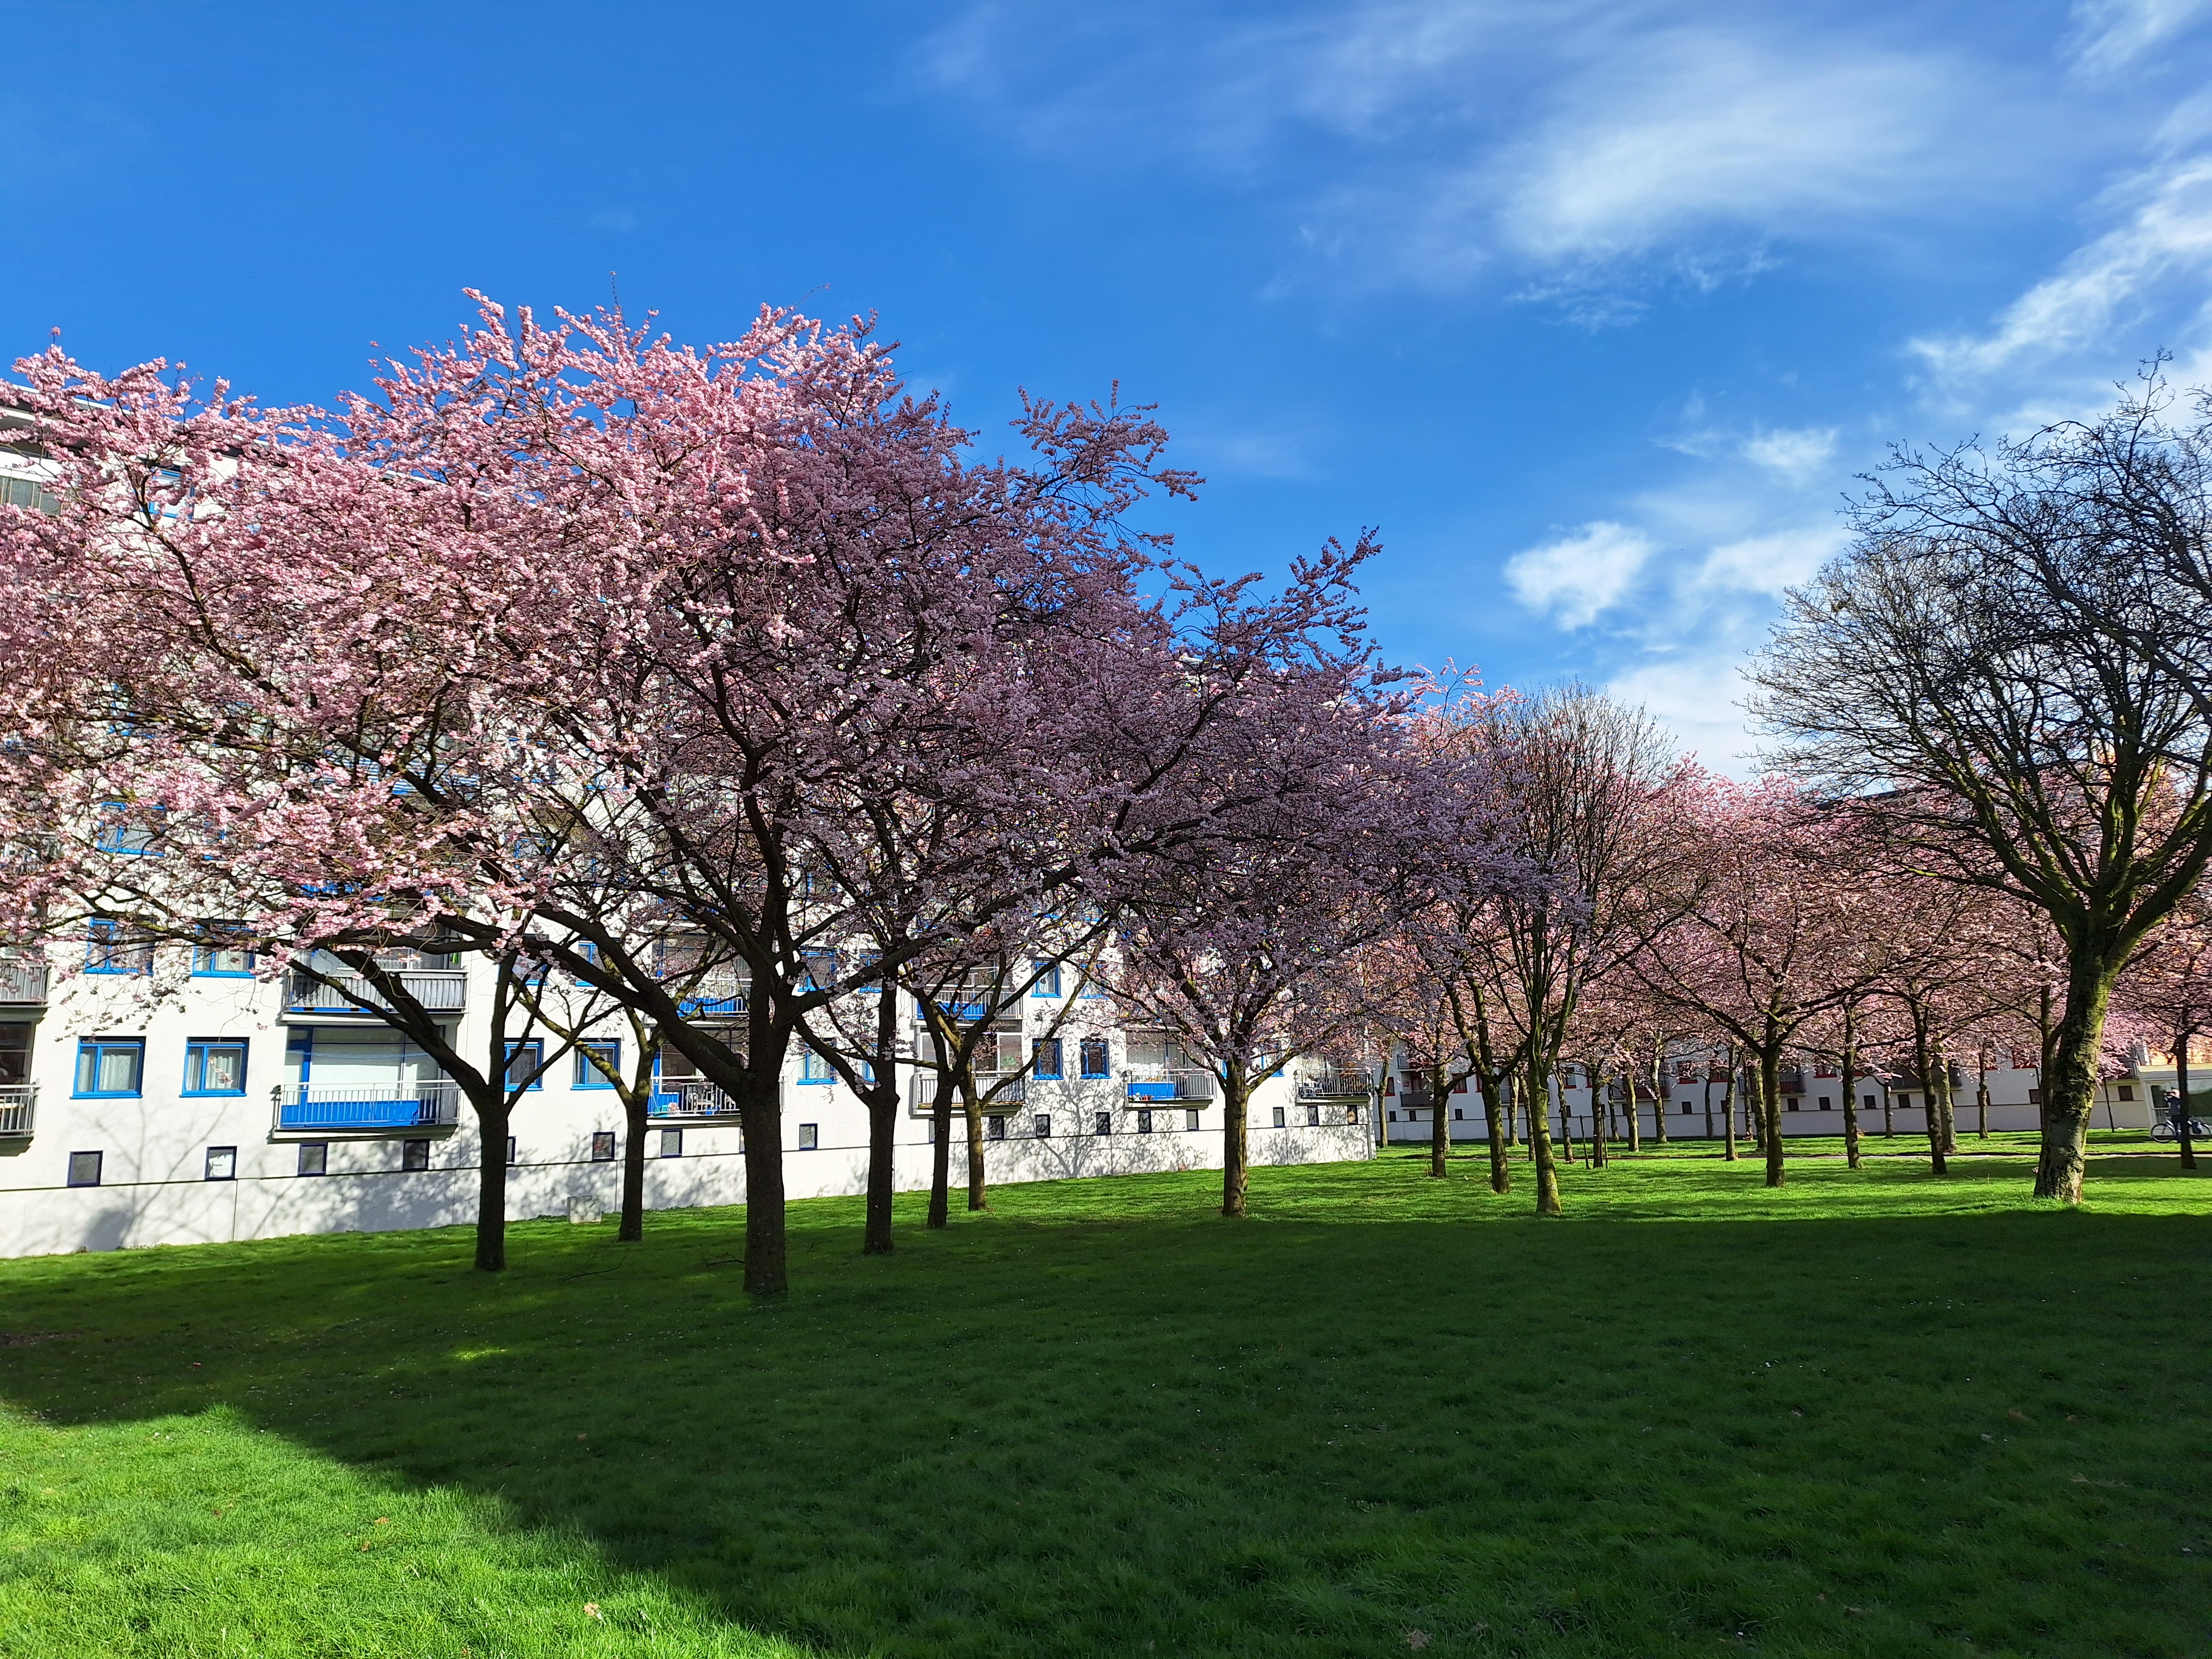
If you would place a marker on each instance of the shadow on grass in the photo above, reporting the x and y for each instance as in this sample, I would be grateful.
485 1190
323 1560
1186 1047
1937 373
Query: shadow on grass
1101 1419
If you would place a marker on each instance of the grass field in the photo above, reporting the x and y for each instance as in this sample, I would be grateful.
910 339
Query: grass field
1870 1414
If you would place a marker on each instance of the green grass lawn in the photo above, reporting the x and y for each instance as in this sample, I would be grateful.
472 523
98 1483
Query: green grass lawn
1870 1414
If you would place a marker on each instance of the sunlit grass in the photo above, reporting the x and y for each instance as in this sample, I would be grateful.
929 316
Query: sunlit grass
1871 1414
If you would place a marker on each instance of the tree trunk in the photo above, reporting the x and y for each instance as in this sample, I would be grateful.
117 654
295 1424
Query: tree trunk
1709 1097
940 1152
1770 1111
1850 1092
971 1104
760 1111
1888 1123
1728 1110
2069 1087
1540 1143
883 1148
1235 1139
2181 1089
1928 1092
1440 1127
492 1123
1659 1092
1493 1118
1600 1110
637 1124
1982 1093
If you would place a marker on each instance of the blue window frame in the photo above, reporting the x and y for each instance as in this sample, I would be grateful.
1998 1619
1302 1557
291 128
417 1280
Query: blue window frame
1045 1055
118 834
1092 988
1097 1059
215 1066
300 1050
111 1068
222 962
525 1059
812 1068
589 1076
107 950
1046 978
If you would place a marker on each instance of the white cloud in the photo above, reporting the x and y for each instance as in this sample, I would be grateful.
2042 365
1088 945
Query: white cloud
1575 576
1793 454
1699 700
2110 35
1767 564
2104 287
1697 128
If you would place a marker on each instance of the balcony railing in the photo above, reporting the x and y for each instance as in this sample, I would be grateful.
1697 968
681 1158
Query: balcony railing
18 1102
1148 1083
434 1105
721 991
922 1089
694 1098
440 990
22 982
1333 1083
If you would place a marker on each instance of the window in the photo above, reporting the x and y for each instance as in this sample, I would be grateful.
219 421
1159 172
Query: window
215 1067
222 962
812 1068
110 1068
27 492
525 1066
118 834
222 1163
995 1128
810 1135
1104 1124
1144 1122
314 1157
2034 1097
1686 1109
1190 1119
1393 1116
84 1169
1313 1116
513 1154
1459 1083
107 950
414 1154
2127 1091
1351 1115
1906 1101
603 1146
1047 977
1045 1055
1096 1058
1092 988
1867 1101
588 1075
671 1143
1825 1106
1791 1103
1042 1127
1279 1117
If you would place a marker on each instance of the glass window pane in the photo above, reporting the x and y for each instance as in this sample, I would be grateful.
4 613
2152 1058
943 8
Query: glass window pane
226 1069
118 1068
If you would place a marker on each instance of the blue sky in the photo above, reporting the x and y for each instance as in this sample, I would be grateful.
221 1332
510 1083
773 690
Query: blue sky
1593 308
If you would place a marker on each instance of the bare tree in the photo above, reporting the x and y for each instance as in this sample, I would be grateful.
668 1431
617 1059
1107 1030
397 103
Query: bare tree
2008 656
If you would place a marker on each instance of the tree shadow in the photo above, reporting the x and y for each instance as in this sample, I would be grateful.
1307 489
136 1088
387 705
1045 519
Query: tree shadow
1100 1419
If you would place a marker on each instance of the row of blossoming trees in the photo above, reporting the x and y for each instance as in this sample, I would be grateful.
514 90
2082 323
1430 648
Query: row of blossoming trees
693 686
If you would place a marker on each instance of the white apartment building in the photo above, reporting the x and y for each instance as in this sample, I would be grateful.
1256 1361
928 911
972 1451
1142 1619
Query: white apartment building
1812 1101
188 1094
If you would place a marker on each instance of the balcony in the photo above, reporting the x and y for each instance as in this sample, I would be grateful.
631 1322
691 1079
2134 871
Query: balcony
1147 1084
718 992
922 1089
693 1099
380 1107
23 984
1333 1083
17 1104
440 990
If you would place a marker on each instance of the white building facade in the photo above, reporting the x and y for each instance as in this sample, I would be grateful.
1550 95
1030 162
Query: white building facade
190 1095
